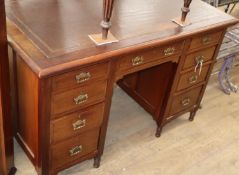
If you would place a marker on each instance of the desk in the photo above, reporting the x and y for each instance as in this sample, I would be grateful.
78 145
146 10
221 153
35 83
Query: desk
64 83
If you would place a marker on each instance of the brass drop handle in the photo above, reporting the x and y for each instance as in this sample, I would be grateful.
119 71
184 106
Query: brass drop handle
169 51
185 101
206 40
79 124
137 60
76 150
82 77
199 63
193 79
81 99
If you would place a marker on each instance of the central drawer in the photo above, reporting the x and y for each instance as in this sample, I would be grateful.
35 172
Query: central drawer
78 98
134 60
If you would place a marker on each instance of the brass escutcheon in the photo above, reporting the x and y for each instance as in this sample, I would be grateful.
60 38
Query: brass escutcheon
169 51
193 79
185 101
81 99
79 124
82 77
137 60
76 150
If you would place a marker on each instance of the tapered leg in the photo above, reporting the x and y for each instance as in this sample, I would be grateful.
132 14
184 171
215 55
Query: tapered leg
97 160
13 171
192 114
158 131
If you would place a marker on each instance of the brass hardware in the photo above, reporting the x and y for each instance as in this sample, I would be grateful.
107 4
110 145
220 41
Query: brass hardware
82 77
137 60
76 150
79 124
81 99
169 51
206 39
200 59
185 101
193 79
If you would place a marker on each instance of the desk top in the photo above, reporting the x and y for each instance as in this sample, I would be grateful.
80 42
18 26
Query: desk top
52 35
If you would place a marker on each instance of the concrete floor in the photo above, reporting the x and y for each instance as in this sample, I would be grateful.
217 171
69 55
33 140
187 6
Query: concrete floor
209 145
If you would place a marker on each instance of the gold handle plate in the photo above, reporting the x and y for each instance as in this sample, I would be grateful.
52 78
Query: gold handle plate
185 101
82 77
200 59
137 60
76 150
169 51
81 99
206 40
193 79
79 124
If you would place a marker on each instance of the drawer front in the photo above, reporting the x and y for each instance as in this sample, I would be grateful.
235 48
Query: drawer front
73 149
138 59
78 98
205 40
76 123
192 78
193 59
79 77
184 101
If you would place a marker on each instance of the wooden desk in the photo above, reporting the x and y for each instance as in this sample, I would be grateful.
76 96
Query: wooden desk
65 83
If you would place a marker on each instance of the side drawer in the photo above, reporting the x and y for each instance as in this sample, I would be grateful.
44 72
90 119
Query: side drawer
76 123
205 40
80 77
193 58
78 98
185 100
134 60
192 78
73 149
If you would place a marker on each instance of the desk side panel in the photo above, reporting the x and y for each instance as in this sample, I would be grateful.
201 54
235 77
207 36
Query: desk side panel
27 109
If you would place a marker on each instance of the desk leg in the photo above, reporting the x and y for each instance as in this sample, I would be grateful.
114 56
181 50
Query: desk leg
159 131
192 114
97 161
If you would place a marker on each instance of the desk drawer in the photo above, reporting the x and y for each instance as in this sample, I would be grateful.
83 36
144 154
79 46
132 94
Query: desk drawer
192 78
80 77
192 59
134 60
185 100
73 149
76 123
205 40
78 98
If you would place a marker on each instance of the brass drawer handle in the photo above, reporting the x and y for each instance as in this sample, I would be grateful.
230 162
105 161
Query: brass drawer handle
193 79
82 77
206 40
81 99
185 101
79 124
199 59
76 150
137 60
169 51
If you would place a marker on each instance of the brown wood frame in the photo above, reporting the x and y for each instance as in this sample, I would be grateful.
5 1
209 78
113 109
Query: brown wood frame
6 134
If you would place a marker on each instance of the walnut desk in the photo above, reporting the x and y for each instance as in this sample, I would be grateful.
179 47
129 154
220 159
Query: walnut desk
64 82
